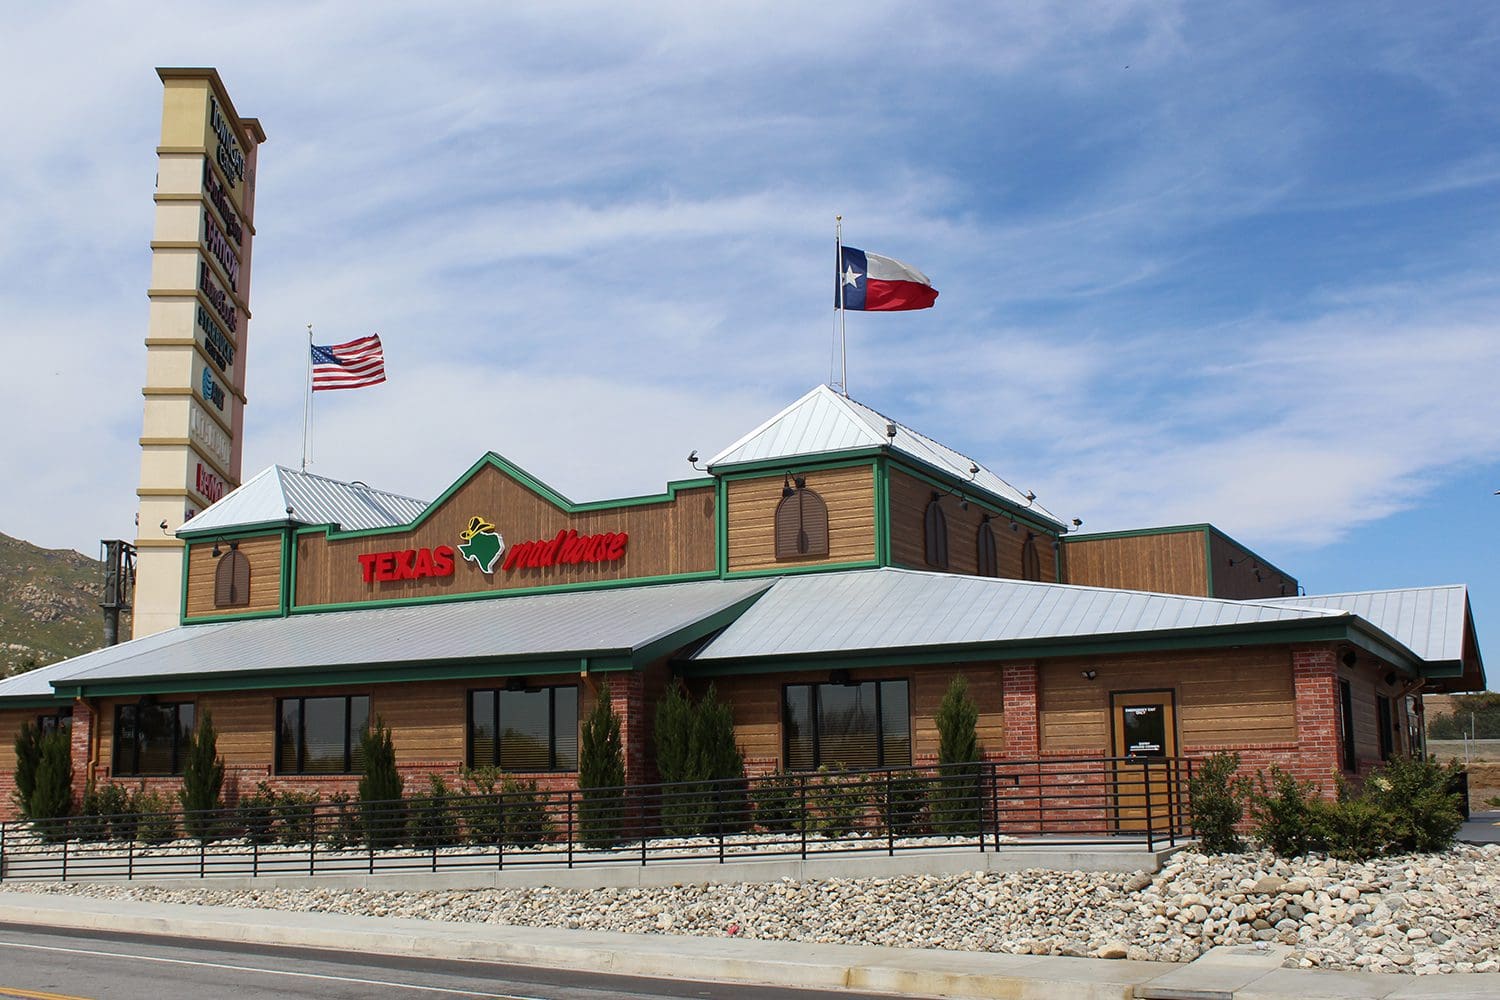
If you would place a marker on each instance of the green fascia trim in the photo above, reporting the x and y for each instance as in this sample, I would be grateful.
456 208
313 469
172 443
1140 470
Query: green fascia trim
1176 529
237 531
988 501
1208 558
286 571
182 598
750 574
36 701
1443 669
721 528
814 460
1264 563
245 617
882 512
527 480
323 677
1032 649
491 595
691 633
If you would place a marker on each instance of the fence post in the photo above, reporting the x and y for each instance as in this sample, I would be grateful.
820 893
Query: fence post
2 851
202 857
130 858
65 856
570 828
255 857
979 800
1150 818
995 800
890 829
802 793
719 814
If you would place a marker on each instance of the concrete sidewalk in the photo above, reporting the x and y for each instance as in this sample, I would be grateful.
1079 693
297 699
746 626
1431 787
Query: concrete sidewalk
1222 974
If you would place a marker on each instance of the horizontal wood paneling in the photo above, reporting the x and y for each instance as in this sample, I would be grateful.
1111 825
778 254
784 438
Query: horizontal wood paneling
1234 697
665 538
1164 564
11 721
756 703
1246 579
849 494
264 553
909 497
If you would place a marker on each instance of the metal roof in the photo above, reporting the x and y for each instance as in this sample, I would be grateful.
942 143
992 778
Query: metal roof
265 497
882 610
1429 621
619 622
824 422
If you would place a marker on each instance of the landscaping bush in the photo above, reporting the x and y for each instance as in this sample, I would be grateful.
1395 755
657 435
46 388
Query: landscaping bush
1416 797
1215 806
601 776
681 812
341 828
154 819
1355 828
52 790
524 816
433 823
256 813
296 817
382 813
482 810
1282 814
28 757
778 803
104 813
906 795
695 743
836 802
955 798
202 782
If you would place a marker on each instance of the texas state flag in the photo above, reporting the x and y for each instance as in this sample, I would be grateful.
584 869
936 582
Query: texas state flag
873 283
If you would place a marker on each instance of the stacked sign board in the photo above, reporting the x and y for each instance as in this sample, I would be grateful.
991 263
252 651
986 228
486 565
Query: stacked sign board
200 294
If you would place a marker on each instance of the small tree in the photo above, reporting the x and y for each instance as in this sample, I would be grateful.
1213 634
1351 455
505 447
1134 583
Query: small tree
52 793
955 802
717 758
673 736
202 782
28 756
1284 815
380 807
1214 804
601 775
1418 798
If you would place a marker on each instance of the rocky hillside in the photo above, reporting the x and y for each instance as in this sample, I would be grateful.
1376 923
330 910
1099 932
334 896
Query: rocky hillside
49 605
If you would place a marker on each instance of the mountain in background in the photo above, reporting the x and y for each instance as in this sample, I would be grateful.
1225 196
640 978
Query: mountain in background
49 605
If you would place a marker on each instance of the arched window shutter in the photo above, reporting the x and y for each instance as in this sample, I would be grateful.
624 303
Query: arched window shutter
801 525
985 557
937 534
1031 563
232 580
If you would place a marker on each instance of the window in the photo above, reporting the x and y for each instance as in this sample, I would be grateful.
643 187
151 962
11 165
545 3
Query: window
936 531
321 735
985 543
60 719
152 738
232 579
1346 724
524 729
801 523
854 726
1383 724
1031 563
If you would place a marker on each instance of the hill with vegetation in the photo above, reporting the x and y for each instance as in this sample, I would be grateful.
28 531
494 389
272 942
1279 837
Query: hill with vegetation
49 605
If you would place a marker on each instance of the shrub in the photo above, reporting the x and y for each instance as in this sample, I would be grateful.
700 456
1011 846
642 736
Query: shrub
1214 805
719 760
28 757
155 823
432 821
342 827
482 808
695 743
1417 798
202 782
103 813
836 802
905 803
1282 813
381 810
601 776
956 800
296 817
52 792
256 813
681 811
778 803
524 816
1354 828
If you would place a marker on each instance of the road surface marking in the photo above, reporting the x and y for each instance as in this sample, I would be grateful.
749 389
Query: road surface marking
11 991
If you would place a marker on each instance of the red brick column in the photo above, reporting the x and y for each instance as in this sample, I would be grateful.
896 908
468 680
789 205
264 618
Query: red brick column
82 743
1315 679
627 694
1019 702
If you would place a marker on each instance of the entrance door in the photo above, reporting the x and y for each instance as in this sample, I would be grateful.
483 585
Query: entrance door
1145 736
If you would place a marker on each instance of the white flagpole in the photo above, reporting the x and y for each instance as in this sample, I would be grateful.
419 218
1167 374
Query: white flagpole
307 403
838 268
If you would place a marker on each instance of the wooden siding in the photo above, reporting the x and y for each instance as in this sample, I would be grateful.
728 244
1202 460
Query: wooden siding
264 555
756 703
1248 578
849 494
909 497
665 538
1171 563
1366 681
1233 697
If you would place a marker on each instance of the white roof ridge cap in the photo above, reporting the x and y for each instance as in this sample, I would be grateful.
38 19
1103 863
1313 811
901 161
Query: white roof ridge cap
1377 590
819 389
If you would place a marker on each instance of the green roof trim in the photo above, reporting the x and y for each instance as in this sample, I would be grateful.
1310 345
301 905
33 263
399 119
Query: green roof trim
985 500
794 570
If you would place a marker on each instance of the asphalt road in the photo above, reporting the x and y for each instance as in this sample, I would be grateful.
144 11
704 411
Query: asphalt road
45 964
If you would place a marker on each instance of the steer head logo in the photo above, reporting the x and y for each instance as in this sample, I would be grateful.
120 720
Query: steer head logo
482 544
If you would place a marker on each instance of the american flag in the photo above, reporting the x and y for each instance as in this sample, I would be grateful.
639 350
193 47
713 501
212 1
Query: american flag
353 365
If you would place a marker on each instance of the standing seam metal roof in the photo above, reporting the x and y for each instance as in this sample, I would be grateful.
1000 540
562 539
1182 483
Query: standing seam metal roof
265 497
1427 620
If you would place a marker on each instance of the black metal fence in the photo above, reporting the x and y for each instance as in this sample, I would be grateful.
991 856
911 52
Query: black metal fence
983 806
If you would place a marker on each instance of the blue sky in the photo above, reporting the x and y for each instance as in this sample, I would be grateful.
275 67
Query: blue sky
1230 263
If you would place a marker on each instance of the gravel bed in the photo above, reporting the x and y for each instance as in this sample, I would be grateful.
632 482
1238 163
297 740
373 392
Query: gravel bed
1421 914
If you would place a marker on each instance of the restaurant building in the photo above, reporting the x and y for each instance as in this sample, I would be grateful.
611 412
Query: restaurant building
830 574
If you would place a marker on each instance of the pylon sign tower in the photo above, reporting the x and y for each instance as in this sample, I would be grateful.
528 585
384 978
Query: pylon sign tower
199 325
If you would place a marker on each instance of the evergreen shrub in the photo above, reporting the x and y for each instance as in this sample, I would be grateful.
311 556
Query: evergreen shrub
433 820
1214 804
1283 814
52 792
779 806
382 813
955 798
256 813
601 776
202 782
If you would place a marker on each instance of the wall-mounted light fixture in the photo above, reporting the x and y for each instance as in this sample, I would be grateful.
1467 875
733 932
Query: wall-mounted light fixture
217 552
890 431
1089 675
693 459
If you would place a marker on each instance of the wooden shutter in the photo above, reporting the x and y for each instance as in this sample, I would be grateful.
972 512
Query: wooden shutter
801 525
232 580
936 525
986 559
1031 562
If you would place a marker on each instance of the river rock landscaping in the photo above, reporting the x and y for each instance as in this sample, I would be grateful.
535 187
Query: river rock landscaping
1422 914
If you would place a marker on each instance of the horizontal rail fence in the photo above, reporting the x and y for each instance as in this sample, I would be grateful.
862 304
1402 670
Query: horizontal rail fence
983 806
